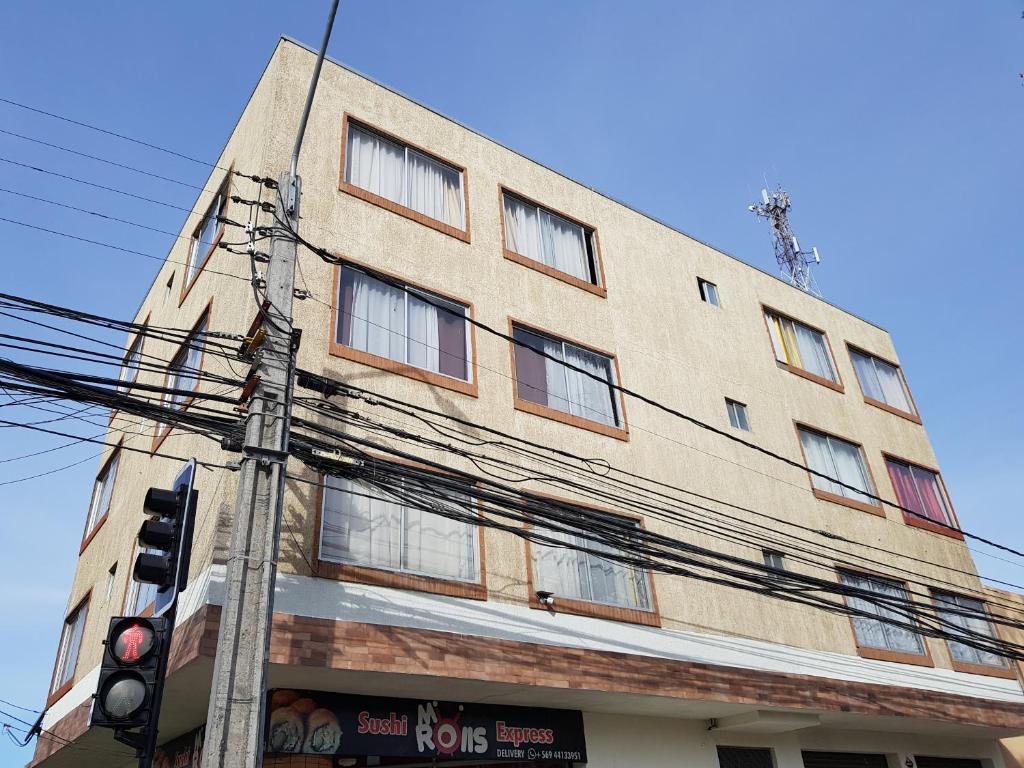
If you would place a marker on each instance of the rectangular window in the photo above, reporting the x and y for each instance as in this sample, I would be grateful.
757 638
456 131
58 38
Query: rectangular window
130 366
183 372
361 526
401 174
881 381
872 633
801 346
399 324
70 644
205 238
140 595
102 490
744 757
111 575
575 575
549 382
550 239
774 560
708 292
945 605
918 489
839 460
737 415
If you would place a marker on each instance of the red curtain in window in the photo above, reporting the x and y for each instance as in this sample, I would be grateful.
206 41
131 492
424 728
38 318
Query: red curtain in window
344 329
451 343
531 376
918 490
934 508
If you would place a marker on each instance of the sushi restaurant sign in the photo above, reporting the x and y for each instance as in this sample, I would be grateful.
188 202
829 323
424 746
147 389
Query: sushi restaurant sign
322 723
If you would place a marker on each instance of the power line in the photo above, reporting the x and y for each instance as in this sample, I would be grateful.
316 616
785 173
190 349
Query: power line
650 496
162 259
93 184
96 213
331 258
109 133
105 160
649 509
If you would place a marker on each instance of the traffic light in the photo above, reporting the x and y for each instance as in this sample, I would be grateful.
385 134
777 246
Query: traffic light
167 537
131 677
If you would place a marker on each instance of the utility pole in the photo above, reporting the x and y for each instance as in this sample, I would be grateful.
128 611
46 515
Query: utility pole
236 715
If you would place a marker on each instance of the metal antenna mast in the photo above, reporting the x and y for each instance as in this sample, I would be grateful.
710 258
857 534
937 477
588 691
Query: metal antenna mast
794 264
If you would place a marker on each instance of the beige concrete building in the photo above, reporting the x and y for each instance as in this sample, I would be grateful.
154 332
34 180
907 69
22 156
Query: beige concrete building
630 668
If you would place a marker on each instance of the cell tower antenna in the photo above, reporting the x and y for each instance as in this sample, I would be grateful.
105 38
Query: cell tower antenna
794 264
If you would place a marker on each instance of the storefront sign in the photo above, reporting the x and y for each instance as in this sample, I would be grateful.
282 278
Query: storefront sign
322 723
186 751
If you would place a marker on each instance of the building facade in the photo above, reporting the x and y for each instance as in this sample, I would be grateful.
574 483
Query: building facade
542 655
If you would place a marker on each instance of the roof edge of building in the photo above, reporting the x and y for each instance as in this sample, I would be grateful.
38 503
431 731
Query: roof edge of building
612 198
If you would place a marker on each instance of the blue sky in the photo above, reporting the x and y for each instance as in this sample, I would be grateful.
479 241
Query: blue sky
895 126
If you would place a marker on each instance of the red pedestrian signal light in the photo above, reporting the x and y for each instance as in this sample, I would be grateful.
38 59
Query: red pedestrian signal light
132 640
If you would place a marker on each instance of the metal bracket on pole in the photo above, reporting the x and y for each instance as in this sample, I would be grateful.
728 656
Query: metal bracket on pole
265 456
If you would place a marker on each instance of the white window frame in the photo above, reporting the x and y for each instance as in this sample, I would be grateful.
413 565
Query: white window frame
739 418
130 364
95 515
64 669
135 588
195 259
709 296
111 576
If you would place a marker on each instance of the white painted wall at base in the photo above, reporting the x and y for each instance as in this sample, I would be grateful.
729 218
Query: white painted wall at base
616 741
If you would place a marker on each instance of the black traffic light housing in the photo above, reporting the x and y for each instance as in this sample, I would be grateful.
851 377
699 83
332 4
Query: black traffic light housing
168 532
131 676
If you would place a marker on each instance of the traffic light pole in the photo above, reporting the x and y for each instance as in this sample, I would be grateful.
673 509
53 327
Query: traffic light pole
149 749
235 719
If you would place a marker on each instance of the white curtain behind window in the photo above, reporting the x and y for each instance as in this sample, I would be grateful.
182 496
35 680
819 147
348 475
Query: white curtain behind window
814 352
375 164
576 575
615 583
564 245
820 460
851 470
434 189
439 545
588 397
874 633
559 570
424 349
357 529
102 494
522 229
961 652
891 384
378 318
555 375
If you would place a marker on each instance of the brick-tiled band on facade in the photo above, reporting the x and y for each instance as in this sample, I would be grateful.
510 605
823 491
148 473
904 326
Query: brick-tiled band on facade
313 642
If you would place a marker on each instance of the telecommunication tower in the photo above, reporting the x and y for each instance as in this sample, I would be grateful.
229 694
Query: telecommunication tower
794 264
